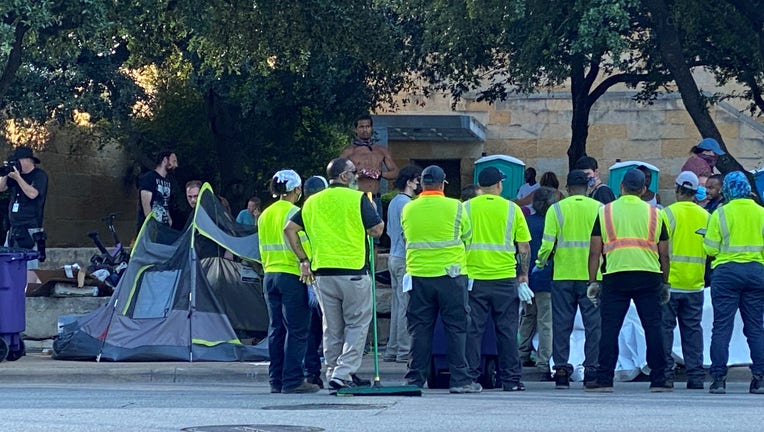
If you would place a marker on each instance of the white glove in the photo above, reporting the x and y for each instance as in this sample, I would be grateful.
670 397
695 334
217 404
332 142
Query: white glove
524 293
593 290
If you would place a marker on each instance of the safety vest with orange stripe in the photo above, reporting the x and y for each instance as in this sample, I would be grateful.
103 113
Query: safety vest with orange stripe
630 232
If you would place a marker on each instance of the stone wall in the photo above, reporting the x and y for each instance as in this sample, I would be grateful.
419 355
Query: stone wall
85 184
536 129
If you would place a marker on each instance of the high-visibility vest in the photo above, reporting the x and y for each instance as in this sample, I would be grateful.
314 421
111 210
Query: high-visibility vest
334 226
435 228
496 225
276 254
567 230
687 257
630 231
736 233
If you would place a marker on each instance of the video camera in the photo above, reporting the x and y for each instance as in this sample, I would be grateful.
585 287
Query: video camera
7 167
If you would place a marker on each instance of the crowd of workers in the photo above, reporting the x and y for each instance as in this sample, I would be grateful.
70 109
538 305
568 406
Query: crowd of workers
467 261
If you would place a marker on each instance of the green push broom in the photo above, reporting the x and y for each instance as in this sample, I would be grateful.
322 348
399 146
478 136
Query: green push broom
376 388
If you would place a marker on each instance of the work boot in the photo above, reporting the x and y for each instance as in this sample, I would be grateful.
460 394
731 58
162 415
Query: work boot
304 387
719 386
662 387
756 384
561 379
596 387
315 379
360 382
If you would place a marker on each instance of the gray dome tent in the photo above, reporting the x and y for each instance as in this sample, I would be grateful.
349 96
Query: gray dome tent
167 307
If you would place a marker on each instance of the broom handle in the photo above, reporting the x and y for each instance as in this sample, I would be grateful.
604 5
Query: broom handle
372 270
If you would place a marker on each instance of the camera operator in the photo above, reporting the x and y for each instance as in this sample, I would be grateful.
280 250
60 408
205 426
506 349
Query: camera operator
28 187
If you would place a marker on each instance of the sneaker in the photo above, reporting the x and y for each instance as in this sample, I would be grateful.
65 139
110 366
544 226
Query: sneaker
315 379
695 384
360 382
756 383
596 387
561 379
275 389
472 387
513 387
663 387
338 383
304 387
719 386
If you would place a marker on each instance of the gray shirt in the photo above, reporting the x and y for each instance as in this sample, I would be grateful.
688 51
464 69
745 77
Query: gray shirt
394 229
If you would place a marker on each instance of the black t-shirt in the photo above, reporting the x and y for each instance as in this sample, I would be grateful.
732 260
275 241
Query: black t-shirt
603 194
160 189
369 218
23 211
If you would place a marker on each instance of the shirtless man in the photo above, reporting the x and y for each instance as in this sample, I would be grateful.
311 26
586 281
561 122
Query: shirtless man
369 159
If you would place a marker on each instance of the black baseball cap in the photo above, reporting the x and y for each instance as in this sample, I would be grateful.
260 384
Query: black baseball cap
490 176
577 177
433 174
634 179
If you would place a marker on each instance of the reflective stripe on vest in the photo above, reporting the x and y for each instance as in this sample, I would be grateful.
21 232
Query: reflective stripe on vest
442 244
725 247
672 256
615 243
562 243
508 246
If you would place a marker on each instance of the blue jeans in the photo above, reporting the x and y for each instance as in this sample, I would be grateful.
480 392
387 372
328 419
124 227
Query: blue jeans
289 313
737 286
312 364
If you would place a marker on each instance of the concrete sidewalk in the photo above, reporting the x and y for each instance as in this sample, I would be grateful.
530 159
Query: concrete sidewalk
37 367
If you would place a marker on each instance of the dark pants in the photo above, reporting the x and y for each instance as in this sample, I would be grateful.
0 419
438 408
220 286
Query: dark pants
616 297
687 309
737 286
499 299
567 296
287 300
312 363
430 296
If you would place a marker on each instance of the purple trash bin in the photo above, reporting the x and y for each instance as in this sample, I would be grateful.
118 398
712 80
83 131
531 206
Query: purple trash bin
13 282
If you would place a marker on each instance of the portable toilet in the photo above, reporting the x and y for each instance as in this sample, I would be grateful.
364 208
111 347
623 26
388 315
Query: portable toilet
512 167
758 178
619 169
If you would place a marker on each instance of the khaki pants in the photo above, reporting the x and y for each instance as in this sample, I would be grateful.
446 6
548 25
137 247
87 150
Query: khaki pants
346 303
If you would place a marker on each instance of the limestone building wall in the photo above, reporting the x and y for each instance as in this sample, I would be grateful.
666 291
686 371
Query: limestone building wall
536 129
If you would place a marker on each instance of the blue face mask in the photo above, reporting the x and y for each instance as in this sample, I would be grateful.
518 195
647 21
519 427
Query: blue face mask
700 195
592 181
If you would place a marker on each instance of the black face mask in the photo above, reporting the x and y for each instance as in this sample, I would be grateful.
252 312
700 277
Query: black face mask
418 189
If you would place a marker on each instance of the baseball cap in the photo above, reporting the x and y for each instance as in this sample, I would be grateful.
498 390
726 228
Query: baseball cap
712 145
577 177
634 179
490 176
687 179
433 174
24 152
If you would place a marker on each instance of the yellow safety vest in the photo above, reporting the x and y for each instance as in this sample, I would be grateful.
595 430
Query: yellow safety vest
736 233
687 257
334 226
496 225
276 254
435 229
630 231
567 230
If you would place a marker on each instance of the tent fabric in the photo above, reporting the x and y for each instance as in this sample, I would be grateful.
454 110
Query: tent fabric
172 304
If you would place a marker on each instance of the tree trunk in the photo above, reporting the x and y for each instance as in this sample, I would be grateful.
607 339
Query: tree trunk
579 124
670 47
14 61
